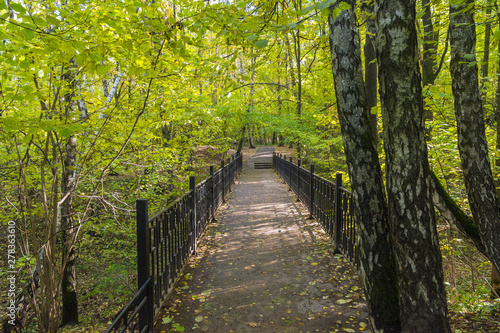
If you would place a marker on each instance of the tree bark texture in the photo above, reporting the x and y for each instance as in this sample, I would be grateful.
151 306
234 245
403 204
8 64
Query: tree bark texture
68 287
472 143
69 312
411 211
378 266
371 67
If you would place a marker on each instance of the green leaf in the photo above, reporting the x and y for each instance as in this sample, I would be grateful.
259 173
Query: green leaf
24 64
66 132
17 7
101 70
344 6
52 20
496 35
251 38
262 43
166 320
29 34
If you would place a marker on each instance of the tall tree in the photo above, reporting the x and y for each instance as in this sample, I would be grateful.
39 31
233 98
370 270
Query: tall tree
371 65
429 46
377 260
411 211
472 142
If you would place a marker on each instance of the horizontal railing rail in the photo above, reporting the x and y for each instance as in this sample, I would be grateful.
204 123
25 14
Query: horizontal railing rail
328 202
166 241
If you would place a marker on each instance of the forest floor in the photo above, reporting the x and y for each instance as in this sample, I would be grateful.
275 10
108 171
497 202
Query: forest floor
265 267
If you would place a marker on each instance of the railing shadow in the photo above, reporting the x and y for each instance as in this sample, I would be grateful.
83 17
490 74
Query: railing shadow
328 202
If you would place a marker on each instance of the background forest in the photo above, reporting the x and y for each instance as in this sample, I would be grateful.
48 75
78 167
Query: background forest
104 102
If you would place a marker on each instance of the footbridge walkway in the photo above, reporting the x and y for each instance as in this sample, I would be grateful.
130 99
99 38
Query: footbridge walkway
262 265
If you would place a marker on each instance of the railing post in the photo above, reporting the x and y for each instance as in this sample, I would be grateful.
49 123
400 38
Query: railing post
222 179
290 173
192 188
298 179
311 180
212 199
143 269
338 212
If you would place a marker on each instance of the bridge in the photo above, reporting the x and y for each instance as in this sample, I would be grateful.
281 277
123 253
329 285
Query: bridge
277 256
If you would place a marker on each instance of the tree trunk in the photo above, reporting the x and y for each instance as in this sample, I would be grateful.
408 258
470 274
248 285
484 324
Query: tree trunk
429 53
69 313
251 139
377 261
486 53
68 288
472 143
423 301
371 68
429 48
495 276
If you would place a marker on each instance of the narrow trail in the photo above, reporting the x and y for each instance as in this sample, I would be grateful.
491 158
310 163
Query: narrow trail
265 267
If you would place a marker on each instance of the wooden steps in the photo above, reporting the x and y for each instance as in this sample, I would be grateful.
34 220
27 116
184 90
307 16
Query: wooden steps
263 165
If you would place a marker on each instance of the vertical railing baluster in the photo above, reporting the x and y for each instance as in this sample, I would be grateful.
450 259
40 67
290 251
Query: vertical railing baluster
192 188
311 185
222 179
298 179
212 198
143 269
338 212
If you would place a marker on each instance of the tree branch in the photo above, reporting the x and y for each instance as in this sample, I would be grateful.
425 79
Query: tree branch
455 215
444 54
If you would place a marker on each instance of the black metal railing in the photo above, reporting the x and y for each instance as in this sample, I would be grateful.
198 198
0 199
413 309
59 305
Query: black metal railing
166 240
329 203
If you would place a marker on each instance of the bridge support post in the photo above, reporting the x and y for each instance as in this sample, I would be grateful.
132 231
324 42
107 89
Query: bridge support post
338 212
143 269
311 183
298 179
222 183
212 195
194 235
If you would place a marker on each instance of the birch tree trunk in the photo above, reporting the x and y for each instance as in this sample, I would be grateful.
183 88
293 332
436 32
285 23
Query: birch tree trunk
371 68
472 142
68 287
377 261
423 301
69 312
